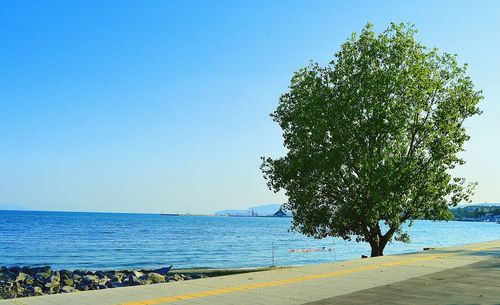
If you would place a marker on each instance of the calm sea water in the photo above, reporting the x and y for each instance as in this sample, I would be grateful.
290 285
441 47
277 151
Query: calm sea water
115 241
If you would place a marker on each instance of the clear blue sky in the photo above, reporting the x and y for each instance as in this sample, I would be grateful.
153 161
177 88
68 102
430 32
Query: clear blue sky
153 106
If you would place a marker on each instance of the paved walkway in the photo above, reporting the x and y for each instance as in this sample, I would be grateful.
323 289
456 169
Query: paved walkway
477 283
470 269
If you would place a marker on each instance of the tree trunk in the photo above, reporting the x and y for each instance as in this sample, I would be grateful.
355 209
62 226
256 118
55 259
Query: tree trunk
377 251
378 247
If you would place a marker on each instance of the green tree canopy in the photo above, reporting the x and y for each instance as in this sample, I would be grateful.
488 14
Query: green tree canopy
372 137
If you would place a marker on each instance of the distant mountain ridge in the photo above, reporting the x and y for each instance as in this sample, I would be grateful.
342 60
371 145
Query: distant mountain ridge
270 209
483 204
478 212
261 210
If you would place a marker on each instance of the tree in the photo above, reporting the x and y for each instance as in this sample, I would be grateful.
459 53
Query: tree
371 138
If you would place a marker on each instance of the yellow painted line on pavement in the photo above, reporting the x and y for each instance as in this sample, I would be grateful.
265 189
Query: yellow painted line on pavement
219 291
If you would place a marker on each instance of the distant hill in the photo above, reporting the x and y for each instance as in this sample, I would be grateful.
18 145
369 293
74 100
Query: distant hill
477 212
261 210
484 204
460 212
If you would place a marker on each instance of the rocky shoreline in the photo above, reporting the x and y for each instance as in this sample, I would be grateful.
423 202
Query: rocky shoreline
18 282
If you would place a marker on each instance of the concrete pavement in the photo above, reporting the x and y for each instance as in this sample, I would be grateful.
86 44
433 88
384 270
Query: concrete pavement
477 283
321 283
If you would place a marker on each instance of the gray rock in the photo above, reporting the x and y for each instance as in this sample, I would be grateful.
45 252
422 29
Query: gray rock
53 283
66 273
15 269
132 280
156 278
43 269
103 281
114 284
55 277
99 274
81 287
27 281
7 294
30 291
77 277
137 273
67 289
37 290
68 282
19 289
80 273
42 277
120 275
89 279
21 277
28 270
